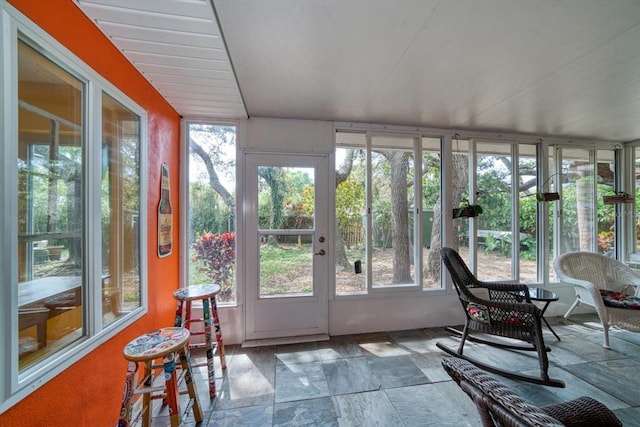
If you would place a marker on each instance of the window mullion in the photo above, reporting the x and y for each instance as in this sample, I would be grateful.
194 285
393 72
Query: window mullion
369 222
418 246
515 212
92 223
473 222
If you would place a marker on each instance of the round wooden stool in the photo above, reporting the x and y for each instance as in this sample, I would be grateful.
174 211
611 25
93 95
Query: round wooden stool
170 344
207 294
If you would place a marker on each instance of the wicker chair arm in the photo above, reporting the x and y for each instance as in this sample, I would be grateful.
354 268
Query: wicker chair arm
631 279
495 401
573 281
586 289
583 411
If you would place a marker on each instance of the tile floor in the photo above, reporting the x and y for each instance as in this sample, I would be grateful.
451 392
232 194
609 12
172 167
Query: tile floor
395 379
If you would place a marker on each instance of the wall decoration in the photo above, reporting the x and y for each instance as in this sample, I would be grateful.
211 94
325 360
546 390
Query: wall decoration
165 215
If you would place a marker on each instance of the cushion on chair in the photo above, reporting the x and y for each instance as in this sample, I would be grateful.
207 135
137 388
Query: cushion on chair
479 313
620 300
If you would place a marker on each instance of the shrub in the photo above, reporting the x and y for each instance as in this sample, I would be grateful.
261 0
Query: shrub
217 252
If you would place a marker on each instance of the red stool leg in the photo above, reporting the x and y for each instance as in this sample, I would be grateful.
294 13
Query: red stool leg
209 345
127 396
171 385
216 324
185 360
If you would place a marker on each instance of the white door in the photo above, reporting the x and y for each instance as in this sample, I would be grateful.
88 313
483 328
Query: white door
287 245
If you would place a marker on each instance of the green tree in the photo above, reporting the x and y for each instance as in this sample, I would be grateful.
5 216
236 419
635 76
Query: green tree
350 197
212 150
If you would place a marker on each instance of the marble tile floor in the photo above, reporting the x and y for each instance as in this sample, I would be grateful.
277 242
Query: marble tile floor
395 379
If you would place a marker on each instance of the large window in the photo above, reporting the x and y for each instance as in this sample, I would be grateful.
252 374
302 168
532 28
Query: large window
387 208
633 182
120 208
51 159
392 209
538 199
212 207
72 195
500 177
585 221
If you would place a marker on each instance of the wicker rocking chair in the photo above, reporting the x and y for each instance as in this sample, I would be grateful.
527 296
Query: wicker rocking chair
605 284
499 309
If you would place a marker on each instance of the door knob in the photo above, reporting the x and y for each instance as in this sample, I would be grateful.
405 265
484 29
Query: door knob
320 252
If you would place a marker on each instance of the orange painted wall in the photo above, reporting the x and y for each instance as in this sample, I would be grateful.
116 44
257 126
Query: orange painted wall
89 392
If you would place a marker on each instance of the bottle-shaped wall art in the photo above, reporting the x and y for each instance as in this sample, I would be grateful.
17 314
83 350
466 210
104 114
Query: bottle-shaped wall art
165 215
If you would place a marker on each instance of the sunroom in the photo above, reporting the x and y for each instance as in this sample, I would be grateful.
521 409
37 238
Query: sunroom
327 148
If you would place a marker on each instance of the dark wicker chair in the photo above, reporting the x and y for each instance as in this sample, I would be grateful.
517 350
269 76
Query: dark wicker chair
500 406
498 309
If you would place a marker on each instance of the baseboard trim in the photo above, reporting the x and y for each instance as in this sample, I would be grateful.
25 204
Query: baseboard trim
285 340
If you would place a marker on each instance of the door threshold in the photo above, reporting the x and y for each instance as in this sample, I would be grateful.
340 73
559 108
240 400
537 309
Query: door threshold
285 340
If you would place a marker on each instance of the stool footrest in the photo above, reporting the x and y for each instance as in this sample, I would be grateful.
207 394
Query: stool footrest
202 345
152 389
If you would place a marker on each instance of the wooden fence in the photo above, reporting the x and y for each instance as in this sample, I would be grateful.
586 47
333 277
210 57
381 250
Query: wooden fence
352 235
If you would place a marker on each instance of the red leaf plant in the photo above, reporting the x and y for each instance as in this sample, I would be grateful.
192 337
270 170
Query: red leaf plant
217 252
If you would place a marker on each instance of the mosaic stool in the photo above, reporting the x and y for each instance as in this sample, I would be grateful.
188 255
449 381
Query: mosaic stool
170 345
207 294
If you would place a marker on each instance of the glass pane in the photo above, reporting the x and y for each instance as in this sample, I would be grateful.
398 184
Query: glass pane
460 192
495 184
554 183
527 249
431 218
120 210
286 265
212 204
636 157
50 205
350 215
286 198
286 201
578 201
606 214
392 199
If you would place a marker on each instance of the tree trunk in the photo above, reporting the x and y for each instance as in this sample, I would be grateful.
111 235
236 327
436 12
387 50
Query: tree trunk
584 202
273 179
459 181
342 262
399 217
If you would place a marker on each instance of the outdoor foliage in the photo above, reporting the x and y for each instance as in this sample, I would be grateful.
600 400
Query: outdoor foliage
217 254
350 198
208 211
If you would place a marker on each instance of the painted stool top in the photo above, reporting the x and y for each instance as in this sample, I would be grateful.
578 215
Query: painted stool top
156 344
195 292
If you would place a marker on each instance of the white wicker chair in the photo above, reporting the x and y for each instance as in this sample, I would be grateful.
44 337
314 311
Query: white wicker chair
589 273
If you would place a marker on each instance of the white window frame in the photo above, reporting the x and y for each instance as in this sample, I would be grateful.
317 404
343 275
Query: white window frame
376 290
185 219
15 386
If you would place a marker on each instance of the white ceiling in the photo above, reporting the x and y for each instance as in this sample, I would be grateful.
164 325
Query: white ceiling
177 45
547 67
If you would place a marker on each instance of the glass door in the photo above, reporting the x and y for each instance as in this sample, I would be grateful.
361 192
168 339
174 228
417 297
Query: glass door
287 245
